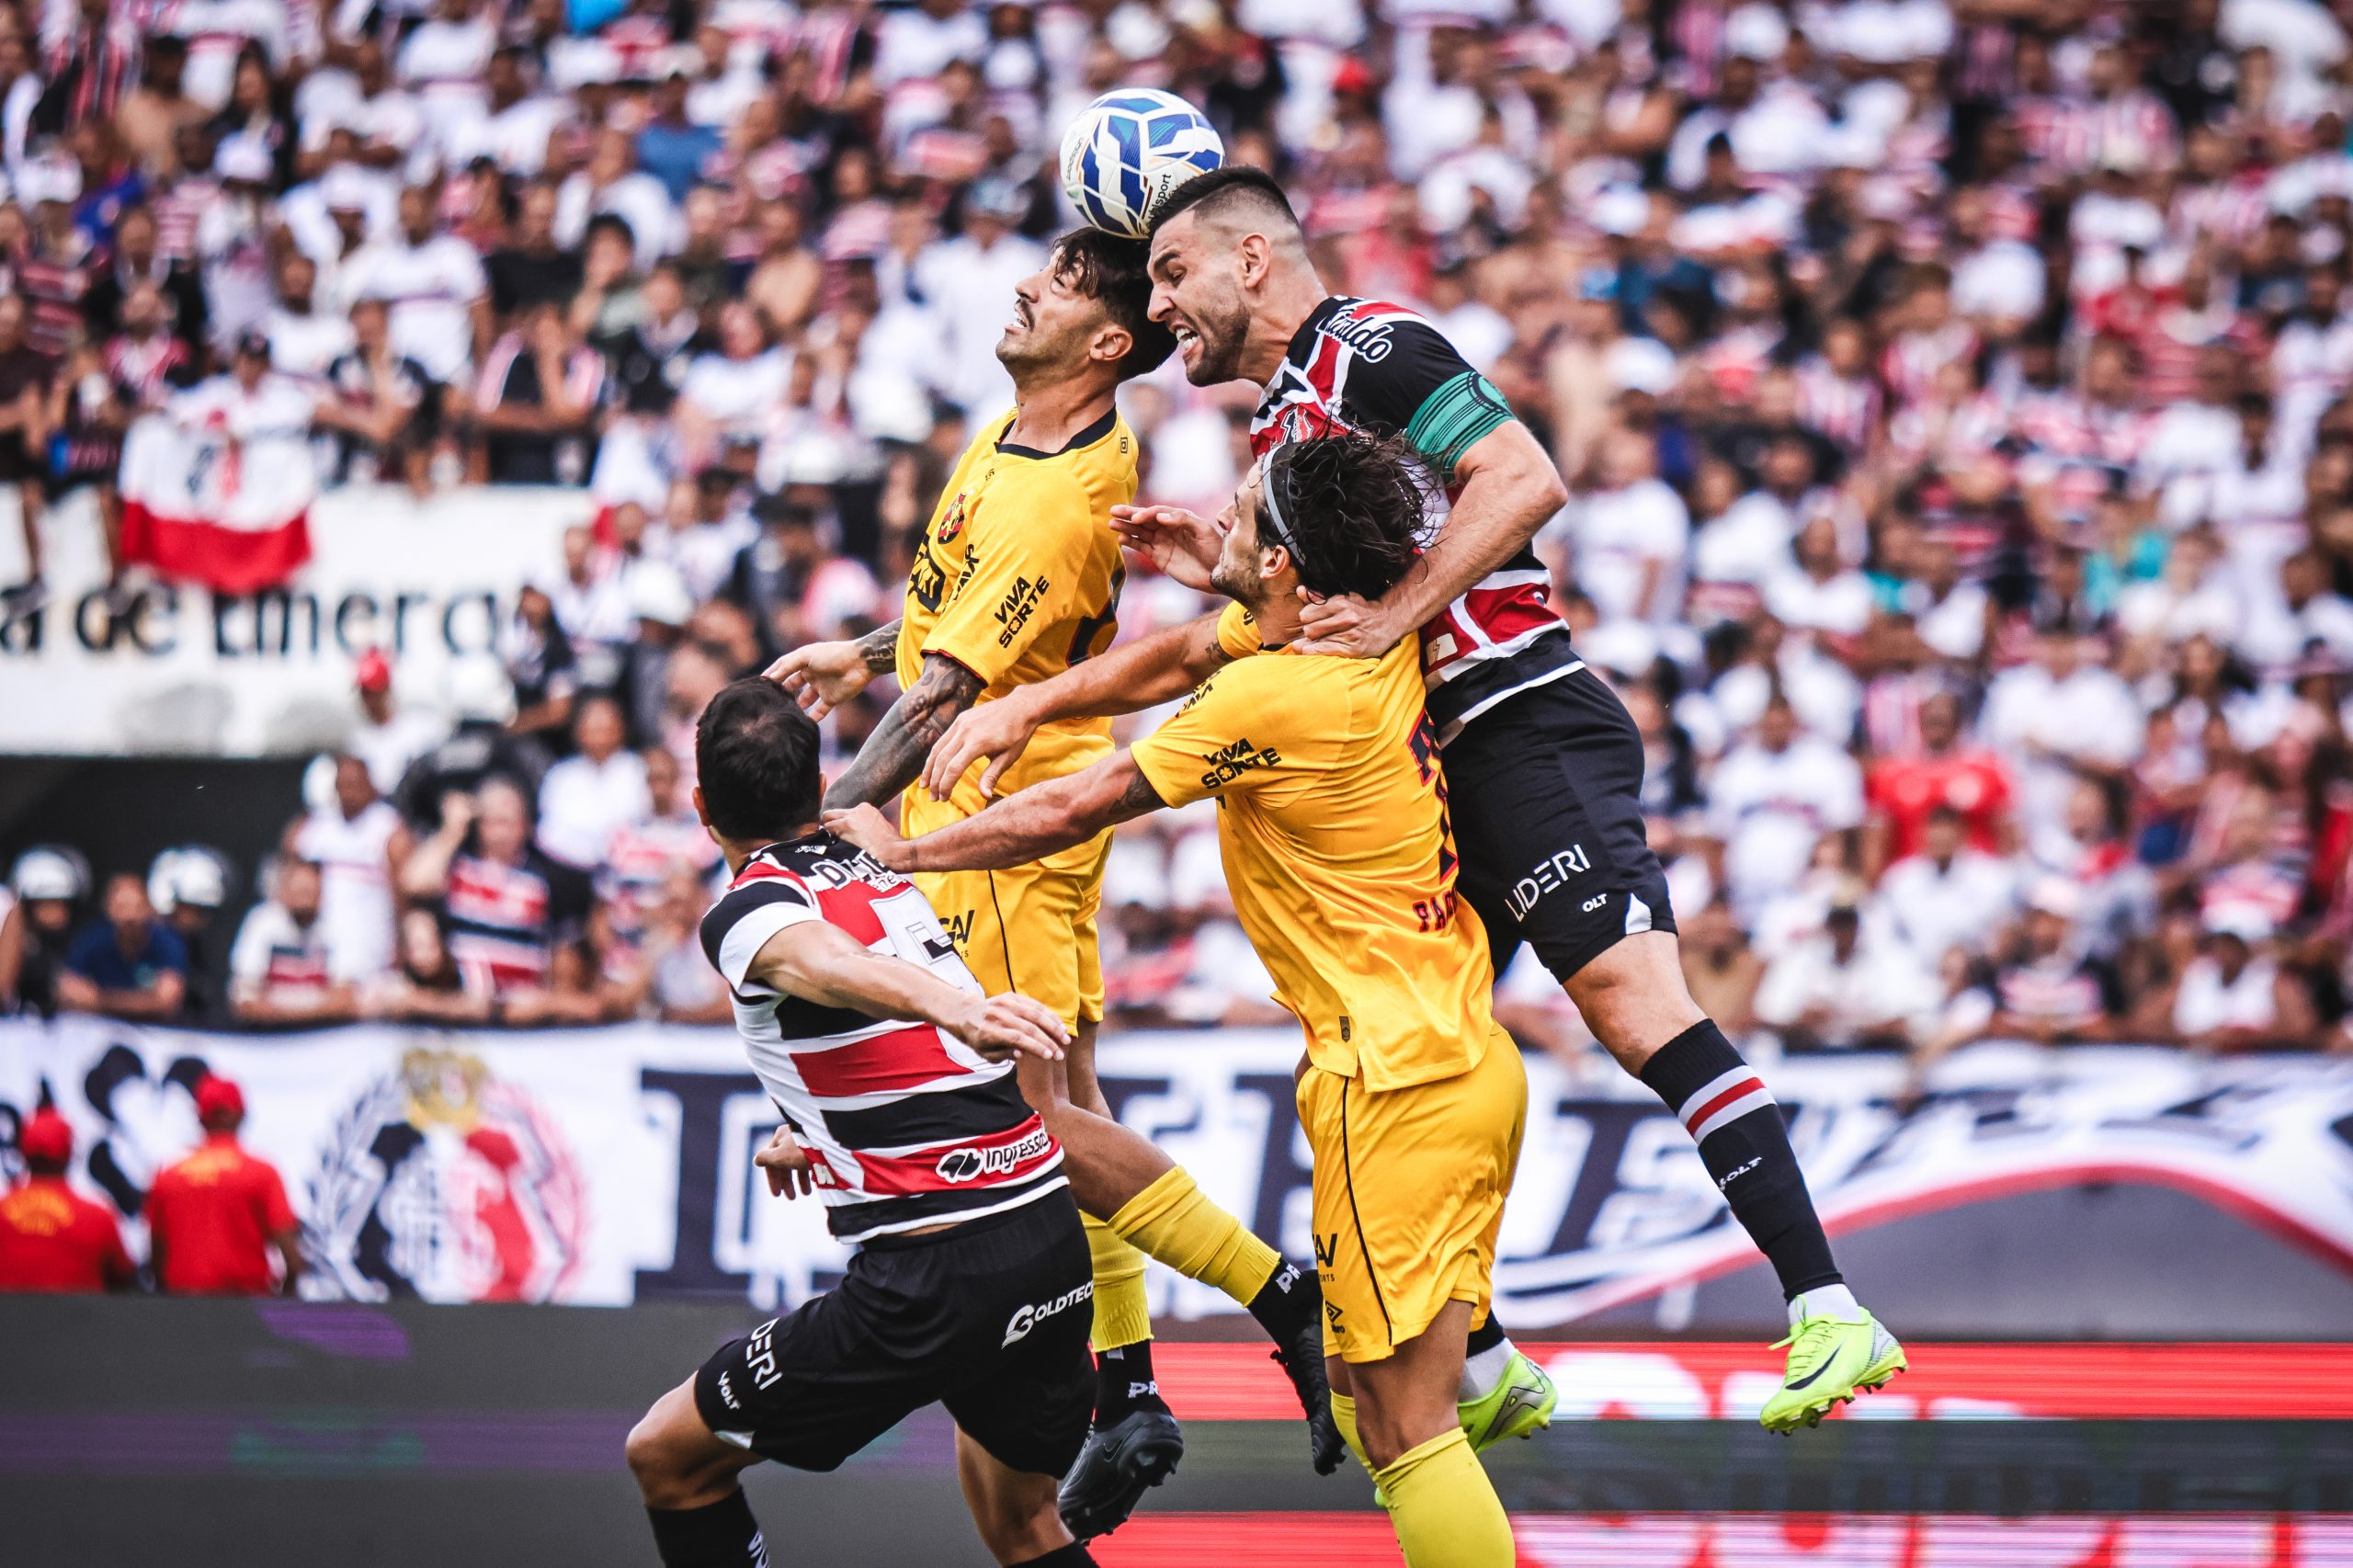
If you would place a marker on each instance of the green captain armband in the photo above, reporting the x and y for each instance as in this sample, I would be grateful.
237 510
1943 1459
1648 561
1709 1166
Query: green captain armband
1452 419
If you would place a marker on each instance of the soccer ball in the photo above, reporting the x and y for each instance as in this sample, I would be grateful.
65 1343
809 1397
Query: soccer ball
1128 150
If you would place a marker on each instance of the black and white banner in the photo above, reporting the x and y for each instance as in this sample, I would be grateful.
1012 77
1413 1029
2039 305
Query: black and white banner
608 1166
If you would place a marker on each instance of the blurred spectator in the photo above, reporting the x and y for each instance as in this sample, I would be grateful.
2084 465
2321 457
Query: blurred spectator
383 408
535 402
1840 989
53 1238
505 906
281 970
188 888
594 793
24 386
359 843
127 963
218 1222
1950 895
433 283
2235 996
47 881
391 734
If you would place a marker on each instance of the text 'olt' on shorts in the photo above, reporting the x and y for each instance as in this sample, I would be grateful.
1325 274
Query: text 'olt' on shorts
989 1318
1546 791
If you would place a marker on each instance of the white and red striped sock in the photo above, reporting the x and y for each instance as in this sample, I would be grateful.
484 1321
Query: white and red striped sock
1732 1116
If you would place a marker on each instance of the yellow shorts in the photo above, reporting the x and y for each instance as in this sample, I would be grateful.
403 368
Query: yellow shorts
1031 929
1408 1194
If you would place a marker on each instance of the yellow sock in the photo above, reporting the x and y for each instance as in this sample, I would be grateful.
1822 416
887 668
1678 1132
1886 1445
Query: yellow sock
1444 1509
1173 1222
1122 1316
1344 1416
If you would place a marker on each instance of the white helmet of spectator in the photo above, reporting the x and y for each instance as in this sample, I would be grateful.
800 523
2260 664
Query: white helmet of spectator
190 875
479 690
50 873
658 594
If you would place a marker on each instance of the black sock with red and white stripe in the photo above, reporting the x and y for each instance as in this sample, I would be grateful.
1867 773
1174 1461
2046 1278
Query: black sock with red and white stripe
1732 1117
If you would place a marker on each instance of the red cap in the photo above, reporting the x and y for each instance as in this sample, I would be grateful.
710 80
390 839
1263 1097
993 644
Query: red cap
48 1137
217 1098
374 672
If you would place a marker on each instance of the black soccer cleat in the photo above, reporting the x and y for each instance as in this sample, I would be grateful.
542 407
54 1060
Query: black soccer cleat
1120 1463
1301 1356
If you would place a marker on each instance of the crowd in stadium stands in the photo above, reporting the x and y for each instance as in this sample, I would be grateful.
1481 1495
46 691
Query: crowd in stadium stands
1954 395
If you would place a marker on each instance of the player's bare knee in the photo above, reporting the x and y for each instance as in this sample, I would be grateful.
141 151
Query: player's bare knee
1024 1527
663 1455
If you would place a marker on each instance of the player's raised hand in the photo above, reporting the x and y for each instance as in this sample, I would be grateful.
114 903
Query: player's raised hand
872 832
1011 1025
1181 544
999 730
1345 623
821 676
787 1167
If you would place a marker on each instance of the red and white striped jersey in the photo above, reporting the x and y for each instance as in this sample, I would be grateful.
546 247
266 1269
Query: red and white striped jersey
503 918
1368 365
904 1125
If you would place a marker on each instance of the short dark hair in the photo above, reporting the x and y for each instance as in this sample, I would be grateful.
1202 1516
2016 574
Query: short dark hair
755 758
1222 189
1354 508
1109 269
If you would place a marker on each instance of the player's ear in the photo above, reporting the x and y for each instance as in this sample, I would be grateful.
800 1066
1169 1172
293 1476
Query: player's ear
1251 258
703 816
1111 345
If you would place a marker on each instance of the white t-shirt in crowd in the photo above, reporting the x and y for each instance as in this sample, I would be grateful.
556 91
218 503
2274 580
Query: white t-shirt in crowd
276 959
1616 535
1933 909
737 393
355 884
583 803
2090 715
1771 808
429 289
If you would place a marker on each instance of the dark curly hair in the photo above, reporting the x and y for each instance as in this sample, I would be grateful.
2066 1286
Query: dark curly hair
1109 270
1351 508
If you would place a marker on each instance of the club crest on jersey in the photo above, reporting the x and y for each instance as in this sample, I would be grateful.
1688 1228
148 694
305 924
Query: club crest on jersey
953 524
961 1166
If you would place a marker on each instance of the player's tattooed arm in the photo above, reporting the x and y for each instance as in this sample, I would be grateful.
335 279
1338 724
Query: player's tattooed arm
824 676
879 649
894 753
1153 669
1022 827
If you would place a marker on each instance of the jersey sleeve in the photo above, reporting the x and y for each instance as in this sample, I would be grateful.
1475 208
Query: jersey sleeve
1024 571
1426 390
249 954
1245 727
1237 631
740 924
277 1214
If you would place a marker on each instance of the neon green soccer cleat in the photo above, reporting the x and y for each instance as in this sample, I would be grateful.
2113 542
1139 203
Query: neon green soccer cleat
1831 1360
1519 1405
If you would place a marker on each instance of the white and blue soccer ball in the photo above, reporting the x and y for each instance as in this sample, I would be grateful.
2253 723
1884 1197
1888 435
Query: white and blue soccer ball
1128 150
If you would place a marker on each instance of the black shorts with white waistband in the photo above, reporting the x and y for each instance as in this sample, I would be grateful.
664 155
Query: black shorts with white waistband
1545 791
990 1319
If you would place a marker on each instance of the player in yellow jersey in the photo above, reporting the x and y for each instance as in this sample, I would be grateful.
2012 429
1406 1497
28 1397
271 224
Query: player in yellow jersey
1016 579
1341 862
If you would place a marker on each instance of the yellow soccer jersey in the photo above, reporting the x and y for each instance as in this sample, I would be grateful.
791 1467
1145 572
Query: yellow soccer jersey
1338 854
1017 578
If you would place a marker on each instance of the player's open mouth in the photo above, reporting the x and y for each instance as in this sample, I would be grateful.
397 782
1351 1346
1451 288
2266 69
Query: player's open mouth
1187 340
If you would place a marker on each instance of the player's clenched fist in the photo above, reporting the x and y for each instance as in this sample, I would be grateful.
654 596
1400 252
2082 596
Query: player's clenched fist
822 676
787 1164
1003 1027
999 730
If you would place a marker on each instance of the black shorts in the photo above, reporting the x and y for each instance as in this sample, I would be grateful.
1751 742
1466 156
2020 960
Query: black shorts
1545 790
990 1319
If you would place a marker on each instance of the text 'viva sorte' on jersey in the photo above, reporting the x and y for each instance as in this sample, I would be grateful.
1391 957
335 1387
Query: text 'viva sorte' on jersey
1367 365
904 1125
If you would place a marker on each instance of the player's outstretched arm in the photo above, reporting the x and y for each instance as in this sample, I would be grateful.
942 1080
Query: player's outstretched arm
825 965
1022 827
1153 669
894 753
1509 490
824 676
1179 543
